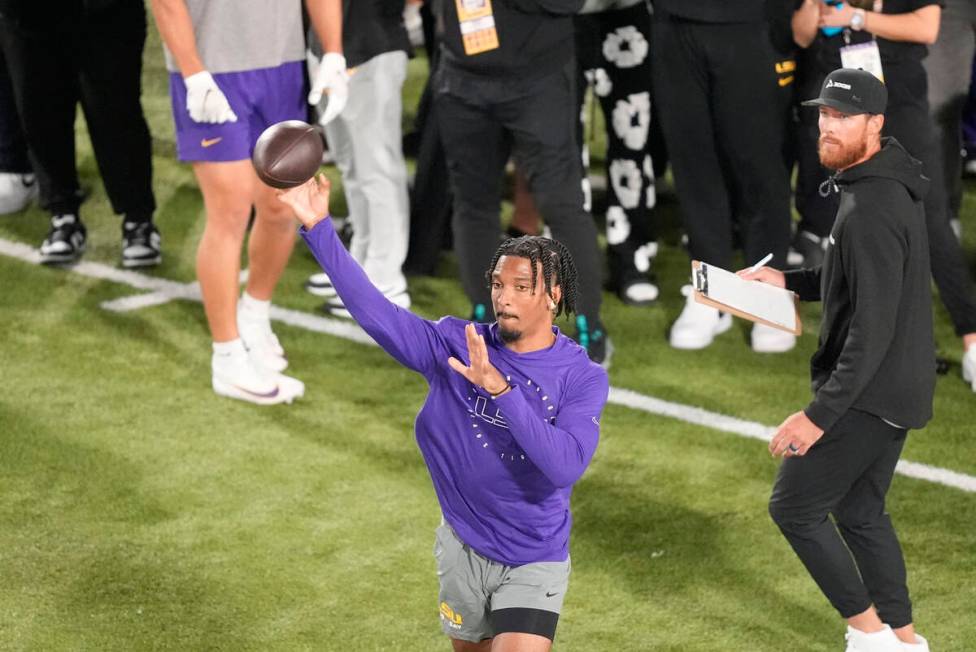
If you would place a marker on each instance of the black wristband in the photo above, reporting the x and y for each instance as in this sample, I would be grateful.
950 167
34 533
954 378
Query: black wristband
505 389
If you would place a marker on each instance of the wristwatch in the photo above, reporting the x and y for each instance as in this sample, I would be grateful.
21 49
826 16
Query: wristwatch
857 20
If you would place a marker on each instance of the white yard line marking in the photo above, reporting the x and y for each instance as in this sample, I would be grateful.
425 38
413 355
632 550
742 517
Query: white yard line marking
163 290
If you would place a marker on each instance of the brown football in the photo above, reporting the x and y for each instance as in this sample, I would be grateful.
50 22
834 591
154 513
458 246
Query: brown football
287 154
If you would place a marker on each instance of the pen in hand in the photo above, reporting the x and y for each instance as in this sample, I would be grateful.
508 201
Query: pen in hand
755 268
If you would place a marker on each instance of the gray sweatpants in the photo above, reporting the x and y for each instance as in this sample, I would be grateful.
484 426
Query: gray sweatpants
365 140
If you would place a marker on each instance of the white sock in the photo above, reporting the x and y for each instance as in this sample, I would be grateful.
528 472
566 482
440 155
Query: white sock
255 306
230 348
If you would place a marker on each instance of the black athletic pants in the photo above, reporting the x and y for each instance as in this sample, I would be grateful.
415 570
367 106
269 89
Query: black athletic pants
907 120
99 63
846 475
13 147
716 87
483 120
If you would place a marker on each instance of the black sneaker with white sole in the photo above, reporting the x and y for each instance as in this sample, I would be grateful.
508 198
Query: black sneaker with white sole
141 245
320 285
65 241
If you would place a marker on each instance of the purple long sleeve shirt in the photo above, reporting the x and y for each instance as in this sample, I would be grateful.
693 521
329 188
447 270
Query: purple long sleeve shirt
503 469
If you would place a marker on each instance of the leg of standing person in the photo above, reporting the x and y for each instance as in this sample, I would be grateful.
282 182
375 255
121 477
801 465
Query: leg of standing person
948 66
247 358
368 149
683 93
18 186
476 148
39 60
817 206
908 120
109 49
847 474
430 198
746 92
624 55
543 123
279 95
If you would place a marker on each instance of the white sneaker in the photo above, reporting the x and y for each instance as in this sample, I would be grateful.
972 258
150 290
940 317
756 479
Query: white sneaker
920 646
16 191
698 325
260 340
969 367
235 375
766 339
881 641
641 293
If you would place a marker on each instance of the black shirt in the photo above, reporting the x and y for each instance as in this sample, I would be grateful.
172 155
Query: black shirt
535 38
371 28
714 11
892 52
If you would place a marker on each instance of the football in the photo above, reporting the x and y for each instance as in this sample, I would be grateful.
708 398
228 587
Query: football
287 154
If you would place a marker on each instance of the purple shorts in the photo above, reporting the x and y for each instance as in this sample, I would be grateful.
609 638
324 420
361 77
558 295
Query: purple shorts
260 98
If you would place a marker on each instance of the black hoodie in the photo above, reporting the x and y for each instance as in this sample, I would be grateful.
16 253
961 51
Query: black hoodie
876 350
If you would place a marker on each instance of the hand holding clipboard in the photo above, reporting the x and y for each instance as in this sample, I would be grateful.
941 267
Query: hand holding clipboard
755 300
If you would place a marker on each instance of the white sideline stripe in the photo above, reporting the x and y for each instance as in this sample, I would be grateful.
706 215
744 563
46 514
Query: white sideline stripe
351 331
753 430
165 290
189 291
936 474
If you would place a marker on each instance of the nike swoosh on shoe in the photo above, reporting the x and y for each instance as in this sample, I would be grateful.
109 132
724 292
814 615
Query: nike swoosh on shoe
256 394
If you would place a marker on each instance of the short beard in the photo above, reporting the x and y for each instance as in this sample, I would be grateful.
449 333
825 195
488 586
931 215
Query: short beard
847 156
509 336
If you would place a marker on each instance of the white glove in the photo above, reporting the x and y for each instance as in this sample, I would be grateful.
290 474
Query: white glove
329 76
205 101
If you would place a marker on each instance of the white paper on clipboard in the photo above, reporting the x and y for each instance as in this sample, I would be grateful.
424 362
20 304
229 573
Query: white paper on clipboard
752 300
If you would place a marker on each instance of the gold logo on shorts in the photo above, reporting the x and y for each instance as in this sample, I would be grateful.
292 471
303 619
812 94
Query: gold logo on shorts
207 142
450 615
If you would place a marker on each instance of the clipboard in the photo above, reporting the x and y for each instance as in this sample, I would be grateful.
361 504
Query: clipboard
752 300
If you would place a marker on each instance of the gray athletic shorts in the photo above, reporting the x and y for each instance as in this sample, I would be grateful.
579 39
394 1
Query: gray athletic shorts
480 598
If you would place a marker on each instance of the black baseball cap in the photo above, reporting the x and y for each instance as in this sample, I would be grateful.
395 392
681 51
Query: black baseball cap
852 91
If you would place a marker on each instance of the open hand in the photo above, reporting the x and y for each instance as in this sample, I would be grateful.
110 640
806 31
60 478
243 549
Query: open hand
481 372
795 436
310 201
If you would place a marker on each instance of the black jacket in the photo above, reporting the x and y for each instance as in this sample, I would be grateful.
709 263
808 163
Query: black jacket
535 38
876 350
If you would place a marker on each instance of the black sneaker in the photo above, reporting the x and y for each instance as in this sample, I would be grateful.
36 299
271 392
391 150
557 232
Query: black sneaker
593 337
141 245
320 285
65 242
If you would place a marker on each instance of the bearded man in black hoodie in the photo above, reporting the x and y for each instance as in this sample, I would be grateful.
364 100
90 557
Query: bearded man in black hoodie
873 372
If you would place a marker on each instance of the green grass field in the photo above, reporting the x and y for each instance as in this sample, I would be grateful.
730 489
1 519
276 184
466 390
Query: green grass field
139 511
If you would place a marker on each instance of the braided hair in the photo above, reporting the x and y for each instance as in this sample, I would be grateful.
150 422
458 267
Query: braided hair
558 267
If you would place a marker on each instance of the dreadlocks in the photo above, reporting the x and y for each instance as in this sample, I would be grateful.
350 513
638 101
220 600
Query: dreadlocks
558 267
